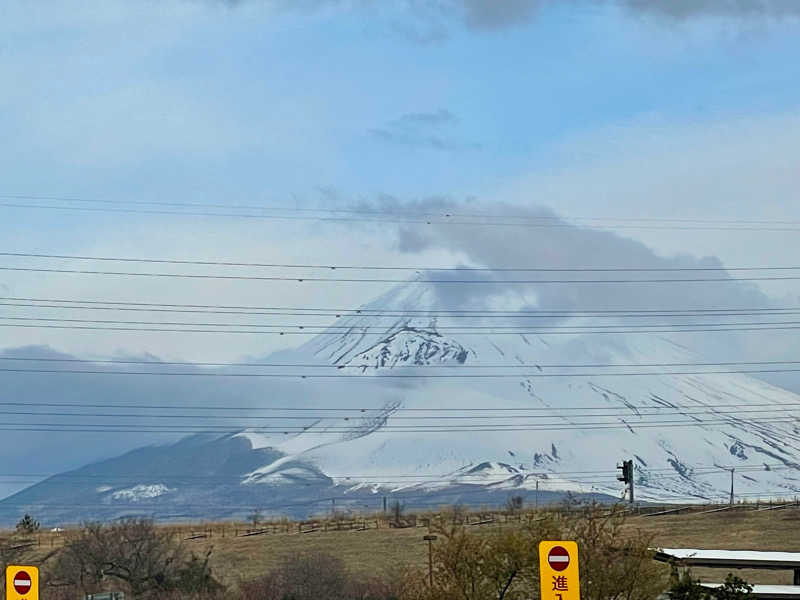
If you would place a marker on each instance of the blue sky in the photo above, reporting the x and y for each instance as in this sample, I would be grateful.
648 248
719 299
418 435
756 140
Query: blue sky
133 100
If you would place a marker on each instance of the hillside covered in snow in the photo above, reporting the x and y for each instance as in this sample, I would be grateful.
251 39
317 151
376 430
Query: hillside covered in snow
412 403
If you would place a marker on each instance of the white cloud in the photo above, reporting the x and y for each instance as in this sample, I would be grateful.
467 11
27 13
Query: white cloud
251 240
735 168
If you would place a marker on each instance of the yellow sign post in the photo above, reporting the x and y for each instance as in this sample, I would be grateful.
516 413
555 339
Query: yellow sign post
22 583
558 571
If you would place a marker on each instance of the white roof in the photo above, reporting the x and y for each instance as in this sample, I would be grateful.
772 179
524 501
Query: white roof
755 558
768 591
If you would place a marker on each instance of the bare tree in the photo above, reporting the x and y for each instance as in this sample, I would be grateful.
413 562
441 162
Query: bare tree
615 564
146 560
318 576
503 564
308 576
514 504
256 517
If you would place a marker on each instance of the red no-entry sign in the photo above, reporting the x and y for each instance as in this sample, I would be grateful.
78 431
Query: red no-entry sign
558 558
22 582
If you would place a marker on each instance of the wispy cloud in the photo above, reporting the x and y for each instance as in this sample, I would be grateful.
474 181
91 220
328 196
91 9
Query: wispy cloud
479 14
434 18
435 130
684 9
433 119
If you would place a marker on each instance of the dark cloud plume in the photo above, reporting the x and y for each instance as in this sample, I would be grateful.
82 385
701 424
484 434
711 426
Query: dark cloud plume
549 242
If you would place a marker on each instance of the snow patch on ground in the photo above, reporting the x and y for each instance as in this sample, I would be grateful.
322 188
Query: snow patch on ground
141 492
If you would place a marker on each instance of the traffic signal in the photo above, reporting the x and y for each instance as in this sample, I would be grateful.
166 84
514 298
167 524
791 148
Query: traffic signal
627 471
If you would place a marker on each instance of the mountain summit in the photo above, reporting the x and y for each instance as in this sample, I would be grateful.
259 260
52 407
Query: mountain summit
429 406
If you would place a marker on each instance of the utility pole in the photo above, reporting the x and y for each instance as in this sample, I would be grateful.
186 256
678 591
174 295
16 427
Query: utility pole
732 470
627 476
536 497
384 505
333 507
430 539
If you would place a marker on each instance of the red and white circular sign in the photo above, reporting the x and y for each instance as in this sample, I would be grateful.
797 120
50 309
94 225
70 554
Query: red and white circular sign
558 558
22 583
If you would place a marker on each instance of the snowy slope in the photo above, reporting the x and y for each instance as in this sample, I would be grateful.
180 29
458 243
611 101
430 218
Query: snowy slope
682 429
622 412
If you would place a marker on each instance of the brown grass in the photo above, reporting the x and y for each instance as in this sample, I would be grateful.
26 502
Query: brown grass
736 530
375 551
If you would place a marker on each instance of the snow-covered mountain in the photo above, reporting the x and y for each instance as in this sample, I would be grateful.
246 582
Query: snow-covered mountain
433 440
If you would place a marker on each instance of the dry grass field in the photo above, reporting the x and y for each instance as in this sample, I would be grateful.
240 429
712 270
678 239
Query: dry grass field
237 557
378 550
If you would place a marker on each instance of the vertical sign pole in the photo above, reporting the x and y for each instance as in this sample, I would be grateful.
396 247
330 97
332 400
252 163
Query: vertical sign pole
430 539
731 499
430 563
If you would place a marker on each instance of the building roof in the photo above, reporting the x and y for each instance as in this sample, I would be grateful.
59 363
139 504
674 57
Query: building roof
769 592
739 559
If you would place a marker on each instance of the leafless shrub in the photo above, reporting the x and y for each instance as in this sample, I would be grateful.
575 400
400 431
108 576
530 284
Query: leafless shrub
514 504
315 576
503 564
615 565
133 556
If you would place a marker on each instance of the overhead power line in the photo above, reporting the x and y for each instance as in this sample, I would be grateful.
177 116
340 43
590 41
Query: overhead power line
364 366
393 211
444 218
420 497
696 470
416 314
411 311
357 429
303 279
699 470
384 329
362 409
331 267
347 431
542 476
310 331
630 414
340 377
